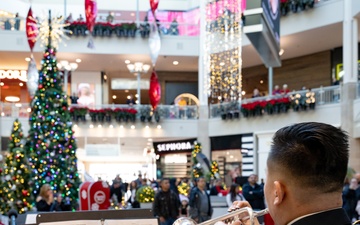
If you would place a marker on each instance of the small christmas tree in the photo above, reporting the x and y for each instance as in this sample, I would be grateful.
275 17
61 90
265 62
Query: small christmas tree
51 144
16 189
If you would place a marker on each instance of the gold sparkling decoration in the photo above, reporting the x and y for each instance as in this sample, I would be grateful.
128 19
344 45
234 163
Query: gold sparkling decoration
222 49
57 32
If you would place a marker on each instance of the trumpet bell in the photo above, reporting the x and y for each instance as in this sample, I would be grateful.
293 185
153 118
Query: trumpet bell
184 221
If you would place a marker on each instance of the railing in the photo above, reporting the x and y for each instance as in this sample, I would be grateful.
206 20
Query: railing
323 95
110 29
22 110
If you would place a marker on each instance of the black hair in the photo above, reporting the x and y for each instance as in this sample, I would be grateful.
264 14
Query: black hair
233 192
313 154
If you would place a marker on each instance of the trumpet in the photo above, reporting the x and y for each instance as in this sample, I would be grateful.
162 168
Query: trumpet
231 216
356 222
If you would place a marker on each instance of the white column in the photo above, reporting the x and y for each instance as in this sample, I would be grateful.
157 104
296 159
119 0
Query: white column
203 125
138 87
203 96
66 74
350 45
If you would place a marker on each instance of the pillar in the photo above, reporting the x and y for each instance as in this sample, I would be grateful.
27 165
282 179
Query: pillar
349 86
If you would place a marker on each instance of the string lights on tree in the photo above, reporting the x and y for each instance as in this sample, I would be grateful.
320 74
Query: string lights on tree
51 144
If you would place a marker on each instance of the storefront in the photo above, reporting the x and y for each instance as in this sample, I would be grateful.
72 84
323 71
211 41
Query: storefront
234 154
174 158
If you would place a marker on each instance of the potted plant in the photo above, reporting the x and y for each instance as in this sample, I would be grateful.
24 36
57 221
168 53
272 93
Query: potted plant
131 114
145 113
108 114
132 29
119 114
78 113
118 29
145 195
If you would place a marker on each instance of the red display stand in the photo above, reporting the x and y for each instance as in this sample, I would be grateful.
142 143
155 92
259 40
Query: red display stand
94 196
268 220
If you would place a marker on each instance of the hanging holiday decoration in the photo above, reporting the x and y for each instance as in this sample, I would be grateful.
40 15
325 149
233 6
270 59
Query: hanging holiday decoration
154 90
154 5
31 29
154 42
197 170
222 62
57 32
32 77
90 14
214 170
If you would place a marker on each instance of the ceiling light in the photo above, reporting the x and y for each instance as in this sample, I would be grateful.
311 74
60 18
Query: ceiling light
111 126
1 83
29 110
75 125
2 114
114 96
21 84
27 59
261 81
222 64
281 52
126 91
132 14
243 92
149 139
91 126
18 105
121 126
99 126
78 60
147 126
158 126
12 98
132 127
127 61
175 63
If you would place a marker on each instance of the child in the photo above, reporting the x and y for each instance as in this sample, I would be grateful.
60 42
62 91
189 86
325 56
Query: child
184 210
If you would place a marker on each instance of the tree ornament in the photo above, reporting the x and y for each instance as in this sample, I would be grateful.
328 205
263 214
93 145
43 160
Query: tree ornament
31 29
25 192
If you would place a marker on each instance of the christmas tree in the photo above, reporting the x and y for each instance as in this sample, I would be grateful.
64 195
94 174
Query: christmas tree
15 189
51 144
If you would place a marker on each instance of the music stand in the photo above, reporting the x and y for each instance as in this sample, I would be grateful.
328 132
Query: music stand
101 217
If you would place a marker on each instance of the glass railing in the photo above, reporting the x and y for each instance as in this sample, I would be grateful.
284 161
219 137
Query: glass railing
321 96
142 112
117 28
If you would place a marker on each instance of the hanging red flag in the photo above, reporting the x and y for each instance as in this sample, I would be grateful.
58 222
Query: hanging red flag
31 29
154 90
90 15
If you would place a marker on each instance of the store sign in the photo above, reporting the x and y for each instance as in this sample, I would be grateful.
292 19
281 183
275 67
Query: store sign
174 146
14 74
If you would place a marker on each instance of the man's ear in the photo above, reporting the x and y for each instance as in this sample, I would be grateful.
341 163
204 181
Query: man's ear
279 193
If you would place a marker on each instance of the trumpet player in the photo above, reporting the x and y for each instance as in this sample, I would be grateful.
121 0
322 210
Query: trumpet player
306 167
